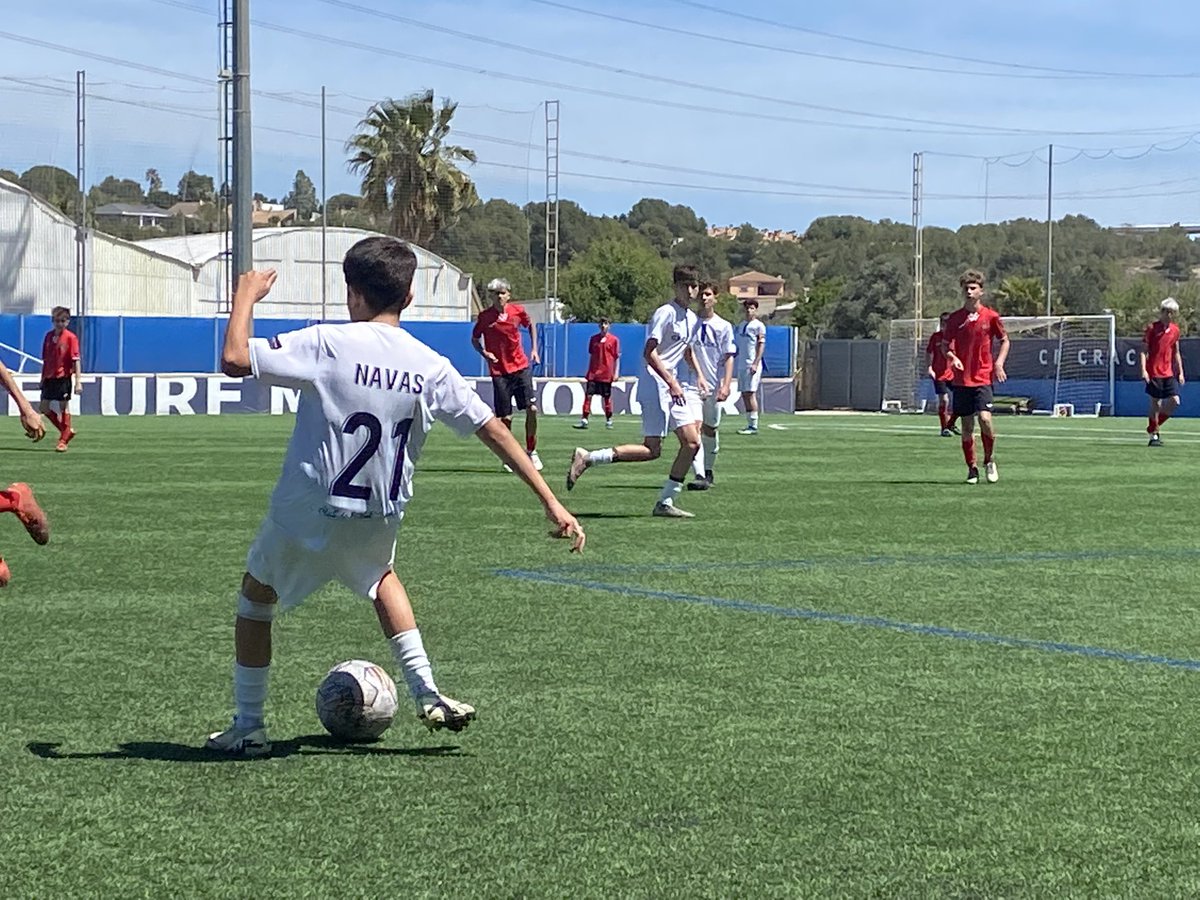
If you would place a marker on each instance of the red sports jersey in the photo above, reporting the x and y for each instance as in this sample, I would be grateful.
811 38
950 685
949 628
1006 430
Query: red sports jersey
501 333
1160 341
603 350
942 370
970 335
59 354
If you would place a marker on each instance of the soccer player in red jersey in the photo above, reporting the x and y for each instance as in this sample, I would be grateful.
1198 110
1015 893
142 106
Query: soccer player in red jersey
942 373
967 343
60 365
603 350
18 497
1160 361
497 338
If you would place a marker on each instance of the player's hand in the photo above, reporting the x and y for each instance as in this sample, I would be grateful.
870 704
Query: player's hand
31 421
1182 380
1001 375
704 390
676 390
957 363
1146 377
489 356
535 359
566 526
932 374
79 389
722 393
255 284
754 368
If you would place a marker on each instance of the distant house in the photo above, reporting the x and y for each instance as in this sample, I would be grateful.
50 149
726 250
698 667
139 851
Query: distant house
187 209
272 214
756 286
137 213
769 236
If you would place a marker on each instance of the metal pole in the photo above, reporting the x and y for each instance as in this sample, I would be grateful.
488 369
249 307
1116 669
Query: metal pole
1049 227
243 190
80 193
324 211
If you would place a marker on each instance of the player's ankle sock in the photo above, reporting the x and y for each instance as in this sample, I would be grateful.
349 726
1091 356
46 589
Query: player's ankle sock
989 442
410 656
55 420
754 420
1153 426
608 408
968 447
601 457
250 694
698 463
709 445
670 491
66 423
944 418
530 443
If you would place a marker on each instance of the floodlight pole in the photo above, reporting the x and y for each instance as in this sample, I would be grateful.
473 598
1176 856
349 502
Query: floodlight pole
1049 227
243 191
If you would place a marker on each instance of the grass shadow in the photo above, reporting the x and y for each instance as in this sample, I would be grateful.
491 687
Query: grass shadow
304 745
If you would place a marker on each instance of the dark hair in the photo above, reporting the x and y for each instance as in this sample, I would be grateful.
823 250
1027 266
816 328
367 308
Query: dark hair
709 286
750 301
944 315
605 320
380 269
59 309
971 276
685 275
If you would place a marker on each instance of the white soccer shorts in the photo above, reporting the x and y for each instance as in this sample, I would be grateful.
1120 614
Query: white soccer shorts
748 381
661 415
300 553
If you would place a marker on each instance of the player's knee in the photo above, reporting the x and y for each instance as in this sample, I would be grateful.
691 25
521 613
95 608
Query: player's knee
257 601
655 448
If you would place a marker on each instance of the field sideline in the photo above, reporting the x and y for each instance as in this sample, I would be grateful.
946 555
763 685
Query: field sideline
850 675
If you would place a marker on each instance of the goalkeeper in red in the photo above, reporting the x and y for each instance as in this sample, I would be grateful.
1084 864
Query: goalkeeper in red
1161 359
967 342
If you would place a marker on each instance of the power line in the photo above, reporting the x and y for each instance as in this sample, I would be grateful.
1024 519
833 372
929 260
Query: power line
929 53
759 46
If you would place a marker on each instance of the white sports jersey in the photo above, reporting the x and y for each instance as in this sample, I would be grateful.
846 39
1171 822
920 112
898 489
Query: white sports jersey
747 335
673 327
369 393
712 343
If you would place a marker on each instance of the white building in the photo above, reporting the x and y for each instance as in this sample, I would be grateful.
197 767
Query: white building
186 276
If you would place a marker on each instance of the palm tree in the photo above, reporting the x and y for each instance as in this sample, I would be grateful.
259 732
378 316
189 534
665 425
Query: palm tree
1018 296
410 177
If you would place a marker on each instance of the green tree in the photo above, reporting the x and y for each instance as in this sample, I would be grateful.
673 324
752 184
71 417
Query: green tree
1018 296
194 186
411 179
116 190
495 231
303 197
153 181
56 186
678 220
869 302
743 248
10 176
622 278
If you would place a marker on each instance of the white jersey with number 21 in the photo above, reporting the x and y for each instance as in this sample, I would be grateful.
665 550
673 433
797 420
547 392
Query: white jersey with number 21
369 393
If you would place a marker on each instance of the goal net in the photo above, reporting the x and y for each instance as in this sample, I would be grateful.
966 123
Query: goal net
1057 365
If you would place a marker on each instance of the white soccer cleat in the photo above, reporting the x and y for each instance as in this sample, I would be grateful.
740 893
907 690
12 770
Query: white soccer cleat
992 474
579 464
671 511
439 711
748 430
536 460
608 423
240 741
582 424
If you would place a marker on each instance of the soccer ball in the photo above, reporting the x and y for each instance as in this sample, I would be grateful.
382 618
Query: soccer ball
356 701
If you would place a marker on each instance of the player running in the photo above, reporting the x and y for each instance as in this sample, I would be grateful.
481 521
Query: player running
369 393
18 497
967 343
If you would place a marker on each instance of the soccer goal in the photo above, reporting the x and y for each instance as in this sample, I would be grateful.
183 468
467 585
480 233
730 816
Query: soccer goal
1057 365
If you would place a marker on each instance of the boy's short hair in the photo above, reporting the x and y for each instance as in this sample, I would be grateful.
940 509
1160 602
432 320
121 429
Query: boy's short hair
60 309
496 285
685 275
604 320
380 269
750 301
971 276
944 316
709 286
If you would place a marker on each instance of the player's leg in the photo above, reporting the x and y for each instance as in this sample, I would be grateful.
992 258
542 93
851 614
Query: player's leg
502 403
654 429
689 442
589 391
521 387
964 408
68 430
987 435
256 609
47 410
1166 408
18 499
750 405
434 709
607 403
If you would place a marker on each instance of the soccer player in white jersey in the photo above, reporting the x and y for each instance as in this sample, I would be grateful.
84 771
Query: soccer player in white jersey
369 393
666 404
713 351
751 336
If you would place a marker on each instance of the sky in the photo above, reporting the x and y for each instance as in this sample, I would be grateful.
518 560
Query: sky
760 111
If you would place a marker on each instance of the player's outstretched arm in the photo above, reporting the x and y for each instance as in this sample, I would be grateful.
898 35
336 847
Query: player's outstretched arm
30 420
251 287
500 441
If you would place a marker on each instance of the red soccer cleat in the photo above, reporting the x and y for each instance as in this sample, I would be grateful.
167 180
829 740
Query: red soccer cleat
30 514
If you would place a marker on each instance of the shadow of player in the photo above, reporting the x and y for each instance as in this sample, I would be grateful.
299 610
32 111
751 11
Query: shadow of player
305 745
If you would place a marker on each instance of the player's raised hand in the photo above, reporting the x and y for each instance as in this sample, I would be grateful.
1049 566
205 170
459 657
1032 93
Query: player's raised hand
31 421
566 526
254 285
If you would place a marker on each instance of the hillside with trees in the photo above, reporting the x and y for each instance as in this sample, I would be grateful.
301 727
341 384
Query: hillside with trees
847 275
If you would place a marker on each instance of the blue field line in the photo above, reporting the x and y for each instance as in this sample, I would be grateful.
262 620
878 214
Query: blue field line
978 637
933 559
